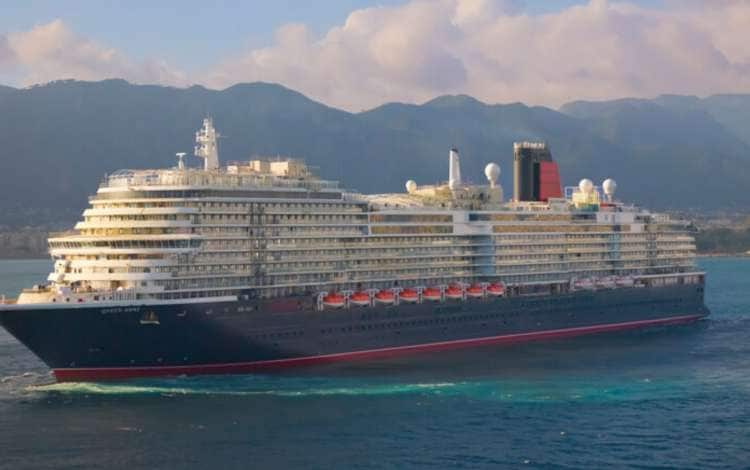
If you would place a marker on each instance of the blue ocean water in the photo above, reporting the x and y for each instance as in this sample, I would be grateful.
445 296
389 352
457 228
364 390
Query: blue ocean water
663 398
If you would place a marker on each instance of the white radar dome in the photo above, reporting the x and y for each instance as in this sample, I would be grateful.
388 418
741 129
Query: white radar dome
492 172
586 186
609 186
411 186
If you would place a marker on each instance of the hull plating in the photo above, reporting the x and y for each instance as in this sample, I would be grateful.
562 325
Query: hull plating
92 343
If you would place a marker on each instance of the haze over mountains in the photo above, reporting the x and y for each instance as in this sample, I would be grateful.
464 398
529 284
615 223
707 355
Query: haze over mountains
59 139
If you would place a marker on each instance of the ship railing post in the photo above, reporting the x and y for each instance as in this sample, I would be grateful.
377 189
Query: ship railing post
371 293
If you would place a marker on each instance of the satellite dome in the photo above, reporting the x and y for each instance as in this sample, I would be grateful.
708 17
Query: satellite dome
492 172
609 186
586 186
411 186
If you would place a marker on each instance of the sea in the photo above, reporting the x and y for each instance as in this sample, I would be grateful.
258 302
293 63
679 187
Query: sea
666 398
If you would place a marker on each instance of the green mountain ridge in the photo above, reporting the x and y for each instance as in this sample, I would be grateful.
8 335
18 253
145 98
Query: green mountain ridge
59 139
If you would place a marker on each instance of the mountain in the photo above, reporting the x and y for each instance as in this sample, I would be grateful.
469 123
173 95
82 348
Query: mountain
59 139
731 111
672 146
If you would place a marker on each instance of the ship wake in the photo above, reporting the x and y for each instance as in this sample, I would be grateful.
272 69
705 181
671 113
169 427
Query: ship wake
556 389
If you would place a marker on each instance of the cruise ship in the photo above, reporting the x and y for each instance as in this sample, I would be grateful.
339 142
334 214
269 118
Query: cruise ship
261 264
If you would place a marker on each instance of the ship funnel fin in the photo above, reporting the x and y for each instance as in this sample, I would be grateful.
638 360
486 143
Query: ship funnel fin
535 175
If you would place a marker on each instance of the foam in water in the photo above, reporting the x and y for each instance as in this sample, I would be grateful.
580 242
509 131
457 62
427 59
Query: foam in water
145 389
553 390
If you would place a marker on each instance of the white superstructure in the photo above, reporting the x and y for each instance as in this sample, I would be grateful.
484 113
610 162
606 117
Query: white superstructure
271 227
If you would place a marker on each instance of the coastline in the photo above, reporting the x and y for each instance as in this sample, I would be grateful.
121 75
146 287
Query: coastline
722 255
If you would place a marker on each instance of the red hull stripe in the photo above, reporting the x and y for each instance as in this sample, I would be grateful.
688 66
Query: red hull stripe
109 373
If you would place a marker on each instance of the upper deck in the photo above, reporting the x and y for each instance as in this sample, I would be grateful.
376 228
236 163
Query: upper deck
287 175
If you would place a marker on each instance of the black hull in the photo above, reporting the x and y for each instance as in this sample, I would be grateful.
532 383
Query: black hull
87 343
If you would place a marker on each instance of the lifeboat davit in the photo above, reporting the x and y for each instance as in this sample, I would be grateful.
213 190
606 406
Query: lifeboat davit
496 289
454 292
385 297
474 291
408 295
334 300
431 293
360 298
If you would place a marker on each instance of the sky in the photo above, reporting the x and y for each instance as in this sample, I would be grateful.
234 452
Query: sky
357 54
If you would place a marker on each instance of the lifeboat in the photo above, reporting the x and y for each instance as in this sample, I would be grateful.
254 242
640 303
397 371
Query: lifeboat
584 284
454 292
624 281
431 293
496 289
475 291
385 297
360 298
334 300
408 295
606 282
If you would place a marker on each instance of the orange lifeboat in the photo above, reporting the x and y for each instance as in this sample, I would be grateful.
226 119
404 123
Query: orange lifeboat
360 298
496 289
454 292
408 295
385 297
334 300
474 291
431 293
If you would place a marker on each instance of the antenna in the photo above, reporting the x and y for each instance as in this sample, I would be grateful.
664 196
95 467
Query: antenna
609 187
180 161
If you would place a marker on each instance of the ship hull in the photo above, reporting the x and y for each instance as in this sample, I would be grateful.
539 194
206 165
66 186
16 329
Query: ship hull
116 342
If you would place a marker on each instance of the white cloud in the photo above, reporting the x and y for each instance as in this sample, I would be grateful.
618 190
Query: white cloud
490 49
378 54
52 51
6 53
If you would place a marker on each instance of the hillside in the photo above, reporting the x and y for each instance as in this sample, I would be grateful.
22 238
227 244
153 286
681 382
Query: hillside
671 149
59 139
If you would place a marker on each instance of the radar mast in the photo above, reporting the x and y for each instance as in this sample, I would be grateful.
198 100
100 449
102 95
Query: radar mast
206 145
